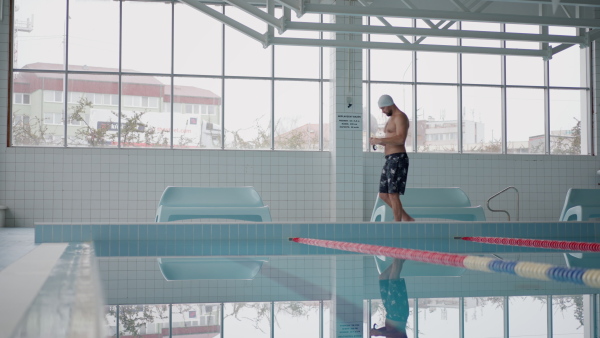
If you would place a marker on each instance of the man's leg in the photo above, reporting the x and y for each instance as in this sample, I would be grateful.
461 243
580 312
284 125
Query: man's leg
393 200
393 270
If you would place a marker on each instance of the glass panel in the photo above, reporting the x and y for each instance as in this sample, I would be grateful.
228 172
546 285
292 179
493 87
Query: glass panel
251 320
326 113
196 320
518 28
92 110
144 120
328 54
40 123
566 67
438 317
247 114
241 50
377 314
146 42
484 317
297 115
297 319
196 112
198 41
527 316
44 40
391 65
566 121
525 121
524 70
327 318
298 61
110 320
567 316
437 67
93 35
482 119
139 320
481 68
403 98
437 127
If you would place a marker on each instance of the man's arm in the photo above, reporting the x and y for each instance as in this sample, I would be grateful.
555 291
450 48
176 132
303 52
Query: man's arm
399 136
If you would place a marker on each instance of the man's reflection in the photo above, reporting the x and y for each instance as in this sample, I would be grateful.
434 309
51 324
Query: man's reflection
395 301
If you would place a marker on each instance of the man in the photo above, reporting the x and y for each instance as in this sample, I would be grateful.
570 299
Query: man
395 301
395 170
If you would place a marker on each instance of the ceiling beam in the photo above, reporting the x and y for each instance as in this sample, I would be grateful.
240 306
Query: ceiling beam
445 33
386 23
254 11
447 15
590 3
227 21
354 44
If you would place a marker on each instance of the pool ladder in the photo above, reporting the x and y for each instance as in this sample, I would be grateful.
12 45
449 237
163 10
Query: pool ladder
504 211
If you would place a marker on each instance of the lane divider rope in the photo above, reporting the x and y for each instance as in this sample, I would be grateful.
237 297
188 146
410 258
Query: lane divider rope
535 243
541 271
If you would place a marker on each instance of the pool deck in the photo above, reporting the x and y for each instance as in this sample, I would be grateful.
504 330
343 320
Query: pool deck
14 244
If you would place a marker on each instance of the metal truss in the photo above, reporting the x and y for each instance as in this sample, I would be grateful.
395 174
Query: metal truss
555 13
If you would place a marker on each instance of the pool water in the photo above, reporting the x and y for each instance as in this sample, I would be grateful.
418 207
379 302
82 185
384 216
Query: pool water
299 290
297 296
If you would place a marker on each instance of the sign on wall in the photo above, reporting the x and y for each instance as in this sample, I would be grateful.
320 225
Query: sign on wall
349 121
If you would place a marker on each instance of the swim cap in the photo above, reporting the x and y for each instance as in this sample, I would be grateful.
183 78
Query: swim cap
385 100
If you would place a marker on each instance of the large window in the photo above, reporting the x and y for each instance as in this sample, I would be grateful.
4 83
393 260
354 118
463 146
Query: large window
242 319
171 78
482 103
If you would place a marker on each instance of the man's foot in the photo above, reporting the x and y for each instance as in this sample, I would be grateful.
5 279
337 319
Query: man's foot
406 217
378 332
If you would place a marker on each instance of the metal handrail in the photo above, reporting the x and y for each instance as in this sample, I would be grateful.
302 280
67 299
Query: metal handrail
504 211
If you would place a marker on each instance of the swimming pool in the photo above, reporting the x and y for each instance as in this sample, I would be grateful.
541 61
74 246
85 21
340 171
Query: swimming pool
303 291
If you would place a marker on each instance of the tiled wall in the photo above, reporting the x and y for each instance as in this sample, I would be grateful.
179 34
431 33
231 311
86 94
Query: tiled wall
96 185
89 185
178 239
542 180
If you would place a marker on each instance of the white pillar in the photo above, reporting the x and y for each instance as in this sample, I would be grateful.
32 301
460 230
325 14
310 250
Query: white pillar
346 143
347 301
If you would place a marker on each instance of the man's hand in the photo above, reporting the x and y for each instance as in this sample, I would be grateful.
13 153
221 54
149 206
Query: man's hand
375 141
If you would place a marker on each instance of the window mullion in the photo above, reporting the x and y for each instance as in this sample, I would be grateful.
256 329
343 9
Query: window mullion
547 136
460 98
172 117
66 77
503 96
120 106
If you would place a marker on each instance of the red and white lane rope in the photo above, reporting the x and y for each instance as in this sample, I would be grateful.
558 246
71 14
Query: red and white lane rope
536 243
541 271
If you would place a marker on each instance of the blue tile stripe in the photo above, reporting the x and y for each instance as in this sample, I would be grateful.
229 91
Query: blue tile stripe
150 239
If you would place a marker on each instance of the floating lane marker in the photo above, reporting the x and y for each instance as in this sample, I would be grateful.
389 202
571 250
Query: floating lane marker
536 243
541 271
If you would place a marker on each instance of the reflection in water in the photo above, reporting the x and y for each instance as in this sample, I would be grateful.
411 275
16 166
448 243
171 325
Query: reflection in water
395 300
294 296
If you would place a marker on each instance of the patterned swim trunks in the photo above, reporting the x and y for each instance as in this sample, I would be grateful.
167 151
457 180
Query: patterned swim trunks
394 173
395 299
